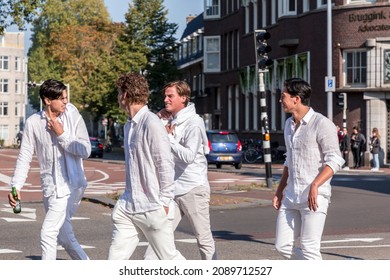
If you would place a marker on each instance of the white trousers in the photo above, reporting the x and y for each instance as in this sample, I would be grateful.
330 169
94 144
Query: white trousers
296 223
195 205
127 227
57 227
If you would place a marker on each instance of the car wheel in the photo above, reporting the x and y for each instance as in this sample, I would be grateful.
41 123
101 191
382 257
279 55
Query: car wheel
238 165
219 165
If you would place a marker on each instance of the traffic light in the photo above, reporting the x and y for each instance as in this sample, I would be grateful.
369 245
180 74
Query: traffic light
340 99
262 49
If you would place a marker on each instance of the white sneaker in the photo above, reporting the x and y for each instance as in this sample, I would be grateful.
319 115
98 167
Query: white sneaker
375 169
346 168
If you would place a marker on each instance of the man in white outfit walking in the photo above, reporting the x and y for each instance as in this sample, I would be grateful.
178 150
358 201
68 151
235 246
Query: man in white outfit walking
60 140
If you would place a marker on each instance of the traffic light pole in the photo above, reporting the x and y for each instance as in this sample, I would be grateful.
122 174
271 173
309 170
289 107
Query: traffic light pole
345 110
265 130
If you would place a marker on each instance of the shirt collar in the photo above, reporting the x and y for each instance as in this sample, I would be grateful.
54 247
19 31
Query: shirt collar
308 116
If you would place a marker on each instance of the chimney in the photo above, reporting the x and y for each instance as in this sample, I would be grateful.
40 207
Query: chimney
190 18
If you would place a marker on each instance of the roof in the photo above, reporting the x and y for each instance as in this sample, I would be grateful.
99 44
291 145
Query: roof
193 25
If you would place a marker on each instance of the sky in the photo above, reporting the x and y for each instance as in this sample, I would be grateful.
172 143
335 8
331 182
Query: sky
178 10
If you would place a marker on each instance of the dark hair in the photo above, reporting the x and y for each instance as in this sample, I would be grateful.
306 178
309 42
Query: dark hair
51 89
299 87
182 88
135 86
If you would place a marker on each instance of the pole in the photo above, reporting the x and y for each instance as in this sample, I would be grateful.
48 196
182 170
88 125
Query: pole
68 91
265 131
329 57
345 110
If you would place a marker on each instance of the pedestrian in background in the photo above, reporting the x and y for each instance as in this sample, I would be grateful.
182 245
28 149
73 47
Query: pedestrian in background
375 147
189 144
59 138
358 142
312 158
148 197
345 147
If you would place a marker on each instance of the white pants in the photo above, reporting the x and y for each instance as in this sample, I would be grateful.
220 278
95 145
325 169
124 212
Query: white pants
57 227
153 224
195 206
296 221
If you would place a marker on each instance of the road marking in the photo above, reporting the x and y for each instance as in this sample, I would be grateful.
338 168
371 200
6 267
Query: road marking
105 176
369 240
29 214
9 251
189 240
356 247
82 246
5 179
80 218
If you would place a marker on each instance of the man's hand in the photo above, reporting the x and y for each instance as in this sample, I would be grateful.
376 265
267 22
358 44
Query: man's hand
170 128
277 200
52 122
312 199
11 199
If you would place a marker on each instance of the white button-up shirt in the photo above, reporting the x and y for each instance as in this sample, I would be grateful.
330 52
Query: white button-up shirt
310 147
149 164
59 157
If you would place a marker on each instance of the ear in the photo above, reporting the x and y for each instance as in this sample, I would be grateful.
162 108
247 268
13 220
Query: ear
47 101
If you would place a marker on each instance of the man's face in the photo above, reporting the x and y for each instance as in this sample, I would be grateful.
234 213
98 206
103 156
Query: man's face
173 101
288 101
57 106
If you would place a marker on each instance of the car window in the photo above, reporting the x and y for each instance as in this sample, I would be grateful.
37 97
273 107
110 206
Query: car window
224 138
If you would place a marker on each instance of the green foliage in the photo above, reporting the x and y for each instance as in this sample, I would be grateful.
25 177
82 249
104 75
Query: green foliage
16 12
148 27
76 42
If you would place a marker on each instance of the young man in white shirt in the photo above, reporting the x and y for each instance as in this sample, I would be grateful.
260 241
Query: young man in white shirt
313 156
145 204
60 140
189 145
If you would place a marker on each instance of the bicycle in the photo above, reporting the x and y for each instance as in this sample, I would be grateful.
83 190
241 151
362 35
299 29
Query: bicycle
253 152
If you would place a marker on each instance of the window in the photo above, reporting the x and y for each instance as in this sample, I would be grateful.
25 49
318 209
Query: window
17 104
356 68
212 54
212 8
3 85
18 86
287 7
3 108
18 64
4 134
387 67
306 6
322 3
4 62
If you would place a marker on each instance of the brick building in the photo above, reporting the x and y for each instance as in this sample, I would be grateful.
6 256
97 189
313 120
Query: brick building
228 97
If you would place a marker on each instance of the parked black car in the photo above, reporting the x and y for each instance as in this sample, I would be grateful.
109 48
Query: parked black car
96 148
225 148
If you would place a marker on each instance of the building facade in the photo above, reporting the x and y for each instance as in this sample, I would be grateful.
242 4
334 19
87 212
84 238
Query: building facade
360 63
13 89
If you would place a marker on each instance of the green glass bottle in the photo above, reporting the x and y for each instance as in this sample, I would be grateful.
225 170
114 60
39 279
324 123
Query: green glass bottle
18 207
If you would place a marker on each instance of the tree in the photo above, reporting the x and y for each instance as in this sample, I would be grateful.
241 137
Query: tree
16 12
149 32
68 40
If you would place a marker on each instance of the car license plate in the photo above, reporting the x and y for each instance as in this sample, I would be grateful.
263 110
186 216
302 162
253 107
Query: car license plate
225 158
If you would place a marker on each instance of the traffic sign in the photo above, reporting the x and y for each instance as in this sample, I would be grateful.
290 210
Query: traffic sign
330 84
